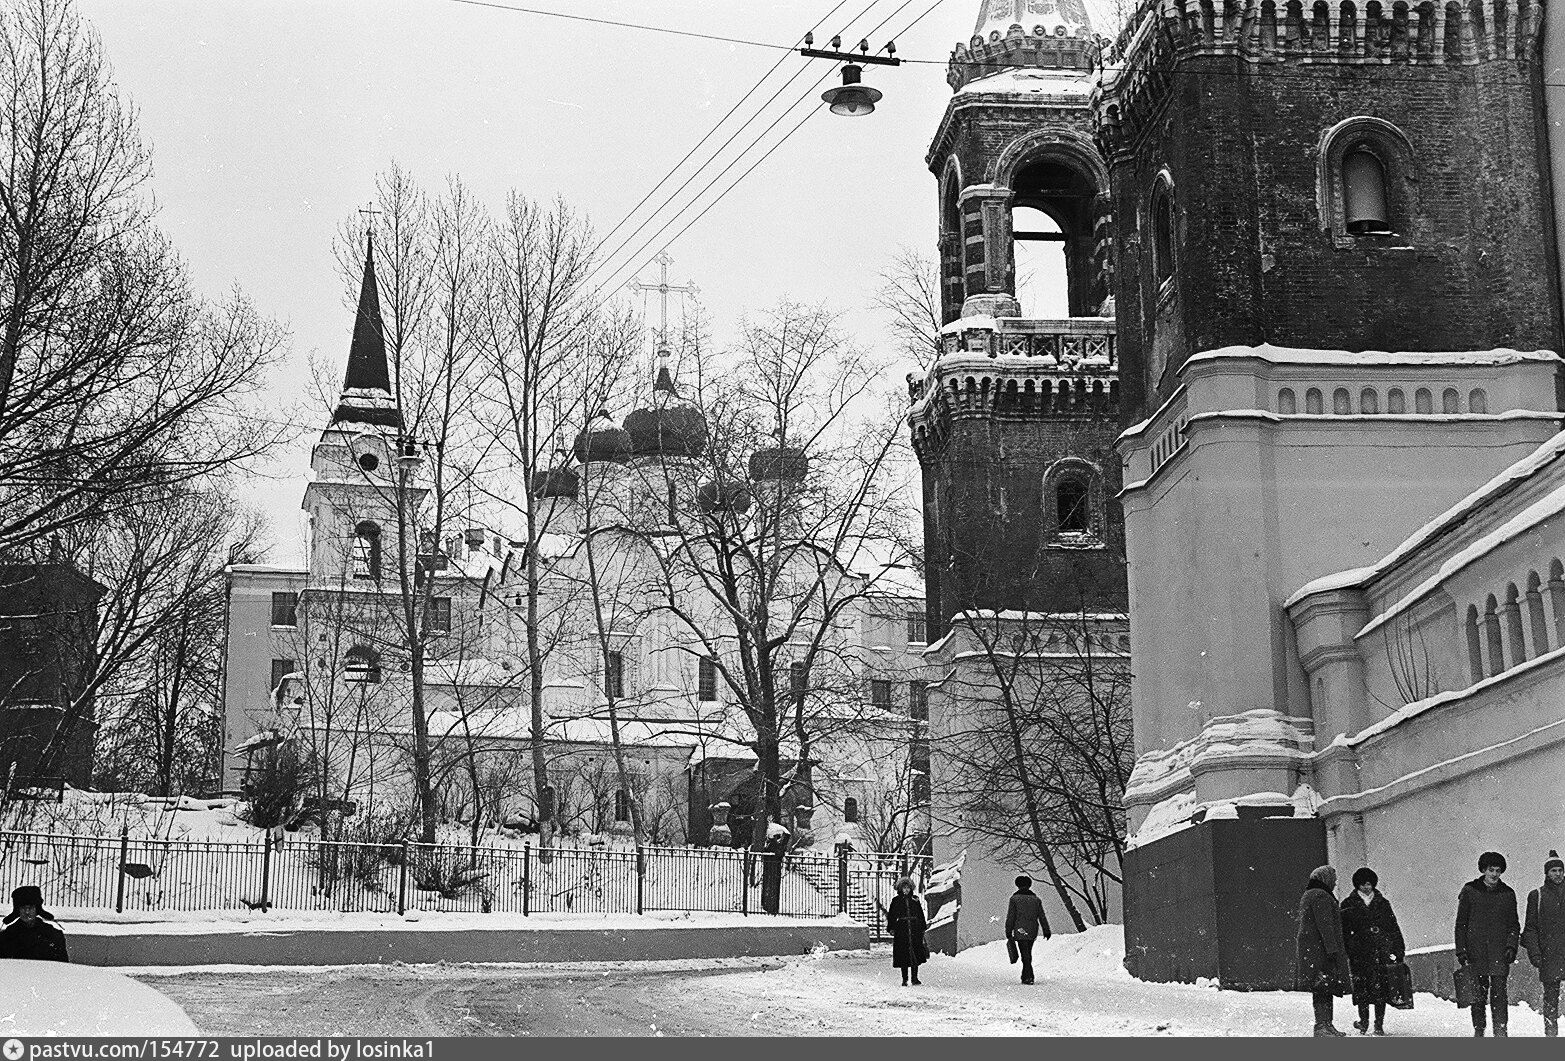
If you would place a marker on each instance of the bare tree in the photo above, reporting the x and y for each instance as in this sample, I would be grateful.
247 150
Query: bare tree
115 378
787 515
1038 745
909 295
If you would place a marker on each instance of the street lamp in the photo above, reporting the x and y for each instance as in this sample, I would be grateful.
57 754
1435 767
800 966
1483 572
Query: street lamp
852 98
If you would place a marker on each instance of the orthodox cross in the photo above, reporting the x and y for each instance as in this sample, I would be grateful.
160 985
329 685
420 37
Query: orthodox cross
663 288
369 212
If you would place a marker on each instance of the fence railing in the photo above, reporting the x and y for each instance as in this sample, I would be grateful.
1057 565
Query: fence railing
127 874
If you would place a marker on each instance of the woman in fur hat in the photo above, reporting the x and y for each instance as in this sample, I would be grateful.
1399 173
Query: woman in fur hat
1323 962
29 931
1374 943
906 923
1544 938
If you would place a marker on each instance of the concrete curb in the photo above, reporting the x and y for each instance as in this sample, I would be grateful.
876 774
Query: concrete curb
414 946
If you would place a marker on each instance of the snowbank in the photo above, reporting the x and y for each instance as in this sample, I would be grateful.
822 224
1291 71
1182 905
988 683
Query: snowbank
1098 953
176 923
53 998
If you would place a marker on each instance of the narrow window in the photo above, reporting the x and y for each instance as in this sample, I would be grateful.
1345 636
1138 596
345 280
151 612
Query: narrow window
706 679
850 810
1396 401
1477 401
366 550
798 682
1537 622
1513 626
1341 402
281 668
1314 404
1163 234
1474 645
916 634
621 805
614 675
918 700
1369 402
1492 640
285 611
1070 505
440 615
918 766
1450 401
1287 405
1423 401
880 693
1364 193
673 503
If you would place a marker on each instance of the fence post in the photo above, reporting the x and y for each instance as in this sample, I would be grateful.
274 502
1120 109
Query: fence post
402 881
842 880
266 873
641 879
119 885
744 884
527 878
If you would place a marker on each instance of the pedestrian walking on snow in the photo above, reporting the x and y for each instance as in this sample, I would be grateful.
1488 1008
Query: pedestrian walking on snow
1373 940
1488 932
29 932
1323 960
1544 938
1025 922
906 923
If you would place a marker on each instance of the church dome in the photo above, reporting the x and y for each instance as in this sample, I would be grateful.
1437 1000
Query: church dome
603 440
779 464
557 482
727 497
675 430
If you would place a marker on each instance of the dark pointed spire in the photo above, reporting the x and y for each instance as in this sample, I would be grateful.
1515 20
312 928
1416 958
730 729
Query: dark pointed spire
366 386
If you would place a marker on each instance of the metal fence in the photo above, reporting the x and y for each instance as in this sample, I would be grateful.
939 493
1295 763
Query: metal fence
127 874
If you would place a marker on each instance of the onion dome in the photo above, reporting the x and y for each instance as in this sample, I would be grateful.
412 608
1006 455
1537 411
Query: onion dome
779 464
669 427
713 498
557 482
603 440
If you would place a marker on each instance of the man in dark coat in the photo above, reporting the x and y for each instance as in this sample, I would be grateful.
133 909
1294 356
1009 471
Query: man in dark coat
1024 921
1323 960
1544 938
1488 932
29 931
905 921
1374 942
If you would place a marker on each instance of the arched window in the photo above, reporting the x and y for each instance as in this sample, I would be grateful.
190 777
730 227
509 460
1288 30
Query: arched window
1474 645
1313 402
850 810
1072 505
621 805
1450 401
1396 401
366 550
1287 405
798 681
1557 599
1492 642
1364 192
1537 622
614 674
1163 232
1423 401
1513 626
361 664
1341 402
1477 401
1369 401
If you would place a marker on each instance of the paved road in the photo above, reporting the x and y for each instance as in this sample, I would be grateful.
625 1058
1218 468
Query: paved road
439 1001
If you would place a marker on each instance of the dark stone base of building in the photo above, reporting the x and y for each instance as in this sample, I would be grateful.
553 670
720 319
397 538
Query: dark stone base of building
1220 900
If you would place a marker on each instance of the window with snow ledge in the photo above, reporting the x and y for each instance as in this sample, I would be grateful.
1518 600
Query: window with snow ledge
1073 504
1160 212
1366 186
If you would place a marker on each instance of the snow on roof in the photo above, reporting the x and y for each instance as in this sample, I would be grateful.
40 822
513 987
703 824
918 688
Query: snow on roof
473 672
1501 483
1030 82
1284 355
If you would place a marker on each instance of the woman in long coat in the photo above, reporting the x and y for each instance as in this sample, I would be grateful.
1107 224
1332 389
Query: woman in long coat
1374 942
906 923
1323 961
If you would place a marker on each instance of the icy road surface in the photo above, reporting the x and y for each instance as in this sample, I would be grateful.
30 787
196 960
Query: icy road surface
1081 990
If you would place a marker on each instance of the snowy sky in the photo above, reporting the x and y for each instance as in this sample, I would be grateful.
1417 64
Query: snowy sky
270 120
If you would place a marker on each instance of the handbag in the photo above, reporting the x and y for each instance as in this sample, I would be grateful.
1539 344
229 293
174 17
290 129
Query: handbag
1466 986
1010 948
1399 986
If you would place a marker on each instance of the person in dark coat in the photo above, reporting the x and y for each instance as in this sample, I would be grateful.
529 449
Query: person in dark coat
29 932
1024 922
1488 933
1323 960
1544 938
1373 940
905 922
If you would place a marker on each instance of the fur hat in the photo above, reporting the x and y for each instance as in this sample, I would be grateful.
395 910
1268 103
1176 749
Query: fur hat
1365 875
1023 883
906 882
1554 860
1491 858
26 895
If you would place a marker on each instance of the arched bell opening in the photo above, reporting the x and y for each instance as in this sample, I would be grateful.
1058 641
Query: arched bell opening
1052 240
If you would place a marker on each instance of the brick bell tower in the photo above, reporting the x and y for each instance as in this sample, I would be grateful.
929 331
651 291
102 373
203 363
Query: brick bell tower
1014 420
1326 175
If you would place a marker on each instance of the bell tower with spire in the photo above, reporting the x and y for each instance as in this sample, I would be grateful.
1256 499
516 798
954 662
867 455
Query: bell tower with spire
1015 416
362 460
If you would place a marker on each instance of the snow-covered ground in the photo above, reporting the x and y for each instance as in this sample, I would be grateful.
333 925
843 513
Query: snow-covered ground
53 998
1081 990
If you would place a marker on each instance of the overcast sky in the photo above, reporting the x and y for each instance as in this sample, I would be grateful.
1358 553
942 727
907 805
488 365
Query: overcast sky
270 120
